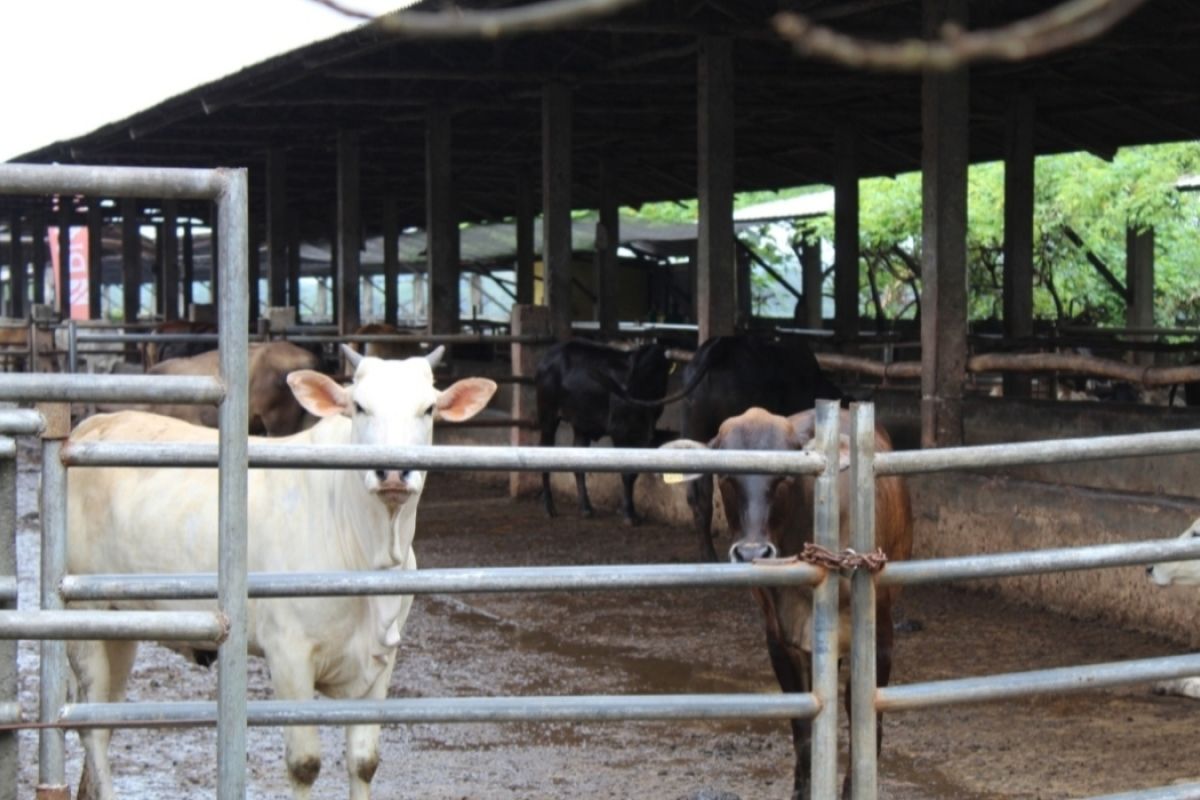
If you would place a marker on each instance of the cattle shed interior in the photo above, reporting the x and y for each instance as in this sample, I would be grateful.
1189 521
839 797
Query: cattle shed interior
373 134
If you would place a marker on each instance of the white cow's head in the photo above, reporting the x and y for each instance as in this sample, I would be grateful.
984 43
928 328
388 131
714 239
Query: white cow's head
1181 572
392 403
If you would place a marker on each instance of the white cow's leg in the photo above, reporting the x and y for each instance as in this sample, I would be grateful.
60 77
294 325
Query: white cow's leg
362 741
102 672
1184 687
292 679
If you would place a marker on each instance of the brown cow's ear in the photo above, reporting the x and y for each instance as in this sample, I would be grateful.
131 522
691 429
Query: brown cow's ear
319 394
465 399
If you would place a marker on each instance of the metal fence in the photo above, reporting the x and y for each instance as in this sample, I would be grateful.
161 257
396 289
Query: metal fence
232 586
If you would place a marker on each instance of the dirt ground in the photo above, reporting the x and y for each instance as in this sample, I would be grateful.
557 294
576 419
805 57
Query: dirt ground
657 642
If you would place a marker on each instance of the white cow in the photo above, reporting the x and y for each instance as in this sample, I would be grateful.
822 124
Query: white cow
127 520
1183 573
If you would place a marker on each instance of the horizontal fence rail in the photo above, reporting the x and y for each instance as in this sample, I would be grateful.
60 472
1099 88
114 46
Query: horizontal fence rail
544 708
447 457
184 626
436 581
21 422
193 389
1023 684
166 183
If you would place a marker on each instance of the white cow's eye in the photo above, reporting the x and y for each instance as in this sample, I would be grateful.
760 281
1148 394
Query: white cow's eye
429 411
358 409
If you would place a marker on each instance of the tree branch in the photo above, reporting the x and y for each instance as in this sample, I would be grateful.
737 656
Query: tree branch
1066 25
460 23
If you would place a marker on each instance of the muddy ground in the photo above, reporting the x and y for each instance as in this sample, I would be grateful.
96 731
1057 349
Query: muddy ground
652 642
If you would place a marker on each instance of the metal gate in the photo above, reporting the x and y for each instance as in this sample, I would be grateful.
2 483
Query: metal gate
232 586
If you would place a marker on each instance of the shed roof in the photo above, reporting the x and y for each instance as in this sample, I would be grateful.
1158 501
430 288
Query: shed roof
634 80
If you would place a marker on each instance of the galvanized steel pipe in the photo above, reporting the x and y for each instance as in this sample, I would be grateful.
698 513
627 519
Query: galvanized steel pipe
164 182
20 422
52 667
183 626
864 766
111 389
825 652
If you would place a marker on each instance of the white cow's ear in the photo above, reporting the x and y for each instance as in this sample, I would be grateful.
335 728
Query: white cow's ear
682 444
320 395
465 399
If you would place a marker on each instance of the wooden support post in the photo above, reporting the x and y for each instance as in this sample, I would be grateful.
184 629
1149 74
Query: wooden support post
189 265
608 238
525 217
716 290
16 269
527 321
277 228
441 224
814 299
556 205
1018 230
63 295
745 289
293 266
846 233
131 263
37 224
1139 281
170 260
390 228
253 277
349 232
95 274
944 123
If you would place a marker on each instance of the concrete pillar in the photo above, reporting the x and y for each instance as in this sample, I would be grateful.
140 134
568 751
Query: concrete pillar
608 237
527 321
846 233
390 227
349 232
441 224
1018 230
170 260
63 296
16 260
944 240
715 277
131 260
556 205
525 217
277 228
95 225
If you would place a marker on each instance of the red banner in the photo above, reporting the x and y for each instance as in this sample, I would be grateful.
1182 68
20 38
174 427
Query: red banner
78 269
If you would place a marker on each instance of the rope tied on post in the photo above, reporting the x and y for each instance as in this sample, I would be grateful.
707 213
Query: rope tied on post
844 562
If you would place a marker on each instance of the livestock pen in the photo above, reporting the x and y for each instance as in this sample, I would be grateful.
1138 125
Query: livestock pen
233 712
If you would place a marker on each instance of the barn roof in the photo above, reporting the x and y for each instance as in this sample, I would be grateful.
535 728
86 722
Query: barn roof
634 81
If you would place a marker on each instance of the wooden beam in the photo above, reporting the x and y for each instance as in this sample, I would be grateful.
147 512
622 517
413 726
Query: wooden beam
1018 229
1139 276
189 267
944 123
525 218
95 236
293 264
131 261
846 232
277 227
63 295
556 204
716 291
37 224
441 226
813 279
390 230
170 259
608 237
349 232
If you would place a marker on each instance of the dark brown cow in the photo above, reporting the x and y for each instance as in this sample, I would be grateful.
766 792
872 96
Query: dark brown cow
157 352
273 408
388 350
772 515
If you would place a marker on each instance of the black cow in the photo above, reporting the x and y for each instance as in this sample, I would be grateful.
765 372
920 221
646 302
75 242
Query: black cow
731 374
571 380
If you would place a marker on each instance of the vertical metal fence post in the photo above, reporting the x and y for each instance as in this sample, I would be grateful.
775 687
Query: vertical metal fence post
10 757
52 690
864 782
825 609
72 345
233 308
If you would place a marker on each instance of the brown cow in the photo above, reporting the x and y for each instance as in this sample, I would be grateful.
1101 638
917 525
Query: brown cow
772 515
14 338
388 350
158 352
274 410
